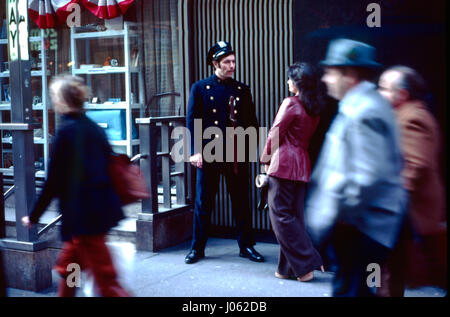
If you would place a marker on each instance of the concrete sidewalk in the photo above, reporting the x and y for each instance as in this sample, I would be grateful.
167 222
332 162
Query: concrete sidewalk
221 274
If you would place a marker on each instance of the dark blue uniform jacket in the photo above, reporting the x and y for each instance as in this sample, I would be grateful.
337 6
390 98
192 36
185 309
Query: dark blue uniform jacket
208 101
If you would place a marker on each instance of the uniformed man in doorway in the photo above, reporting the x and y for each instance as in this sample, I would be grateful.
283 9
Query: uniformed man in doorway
220 102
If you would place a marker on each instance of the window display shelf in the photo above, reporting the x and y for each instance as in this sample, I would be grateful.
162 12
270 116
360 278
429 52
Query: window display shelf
110 106
7 106
103 34
40 78
34 73
104 70
31 39
10 172
118 87
36 140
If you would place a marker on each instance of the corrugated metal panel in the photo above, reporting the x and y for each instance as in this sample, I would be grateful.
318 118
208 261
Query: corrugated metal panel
261 32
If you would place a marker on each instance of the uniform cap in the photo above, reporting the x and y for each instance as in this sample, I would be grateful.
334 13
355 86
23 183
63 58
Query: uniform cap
219 51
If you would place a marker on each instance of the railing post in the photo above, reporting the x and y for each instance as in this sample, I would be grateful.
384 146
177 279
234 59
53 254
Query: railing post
157 229
2 209
27 261
165 165
180 174
147 135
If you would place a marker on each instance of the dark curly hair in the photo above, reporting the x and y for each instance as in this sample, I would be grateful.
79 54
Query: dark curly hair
311 90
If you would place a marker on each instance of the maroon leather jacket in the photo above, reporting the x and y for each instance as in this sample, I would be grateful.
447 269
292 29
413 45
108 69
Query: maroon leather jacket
294 128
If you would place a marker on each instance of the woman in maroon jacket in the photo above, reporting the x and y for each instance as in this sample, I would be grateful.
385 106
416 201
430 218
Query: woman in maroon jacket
287 163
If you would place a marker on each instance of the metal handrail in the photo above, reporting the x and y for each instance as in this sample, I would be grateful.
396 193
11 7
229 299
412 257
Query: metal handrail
49 225
138 157
9 192
52 223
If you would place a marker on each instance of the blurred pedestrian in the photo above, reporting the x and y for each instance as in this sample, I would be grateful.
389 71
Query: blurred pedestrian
78 177
288 168
405 89
219 103
356 199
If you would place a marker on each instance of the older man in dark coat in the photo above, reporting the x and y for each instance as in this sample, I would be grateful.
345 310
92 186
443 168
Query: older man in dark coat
405 89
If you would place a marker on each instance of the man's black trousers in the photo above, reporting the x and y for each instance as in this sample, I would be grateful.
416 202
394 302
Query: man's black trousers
207 185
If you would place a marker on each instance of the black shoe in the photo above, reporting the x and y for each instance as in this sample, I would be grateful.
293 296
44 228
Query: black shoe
251 254
193 256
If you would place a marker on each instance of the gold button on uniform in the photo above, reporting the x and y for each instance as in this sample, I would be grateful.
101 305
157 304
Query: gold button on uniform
208 86
212 97
216 122
235 111
239 87
214 110
217 136
237 98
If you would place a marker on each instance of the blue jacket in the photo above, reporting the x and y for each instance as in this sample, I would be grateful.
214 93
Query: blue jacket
357 178
208 101
78 177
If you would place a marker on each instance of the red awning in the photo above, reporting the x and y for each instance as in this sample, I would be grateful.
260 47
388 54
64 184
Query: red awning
49 13
107 9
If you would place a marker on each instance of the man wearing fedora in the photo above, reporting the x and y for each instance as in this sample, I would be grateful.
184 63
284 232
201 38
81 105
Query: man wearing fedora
356 201
217 103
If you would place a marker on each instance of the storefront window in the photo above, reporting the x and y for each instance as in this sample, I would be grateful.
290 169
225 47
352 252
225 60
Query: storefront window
131 64
162 68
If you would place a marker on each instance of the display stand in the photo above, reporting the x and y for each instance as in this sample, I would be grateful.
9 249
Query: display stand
40 107
110 62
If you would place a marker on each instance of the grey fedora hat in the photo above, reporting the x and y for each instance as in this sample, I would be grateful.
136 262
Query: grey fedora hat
345 52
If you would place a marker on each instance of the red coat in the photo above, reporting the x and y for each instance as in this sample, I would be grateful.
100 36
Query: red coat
294 128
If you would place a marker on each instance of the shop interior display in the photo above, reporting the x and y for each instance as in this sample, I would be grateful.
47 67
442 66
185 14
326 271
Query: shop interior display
109 61
42 113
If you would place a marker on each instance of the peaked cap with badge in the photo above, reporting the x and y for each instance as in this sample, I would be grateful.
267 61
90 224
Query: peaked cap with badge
218 51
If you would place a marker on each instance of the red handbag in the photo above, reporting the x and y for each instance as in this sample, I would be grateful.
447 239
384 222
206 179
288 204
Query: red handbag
127 179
